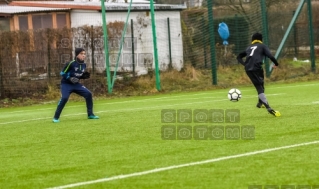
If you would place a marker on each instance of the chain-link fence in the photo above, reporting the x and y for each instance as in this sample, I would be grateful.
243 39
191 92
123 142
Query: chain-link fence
32 60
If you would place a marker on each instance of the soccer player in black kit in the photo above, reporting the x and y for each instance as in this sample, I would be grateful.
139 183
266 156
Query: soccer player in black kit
255 54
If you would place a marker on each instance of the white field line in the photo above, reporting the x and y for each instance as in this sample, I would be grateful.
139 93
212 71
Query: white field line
132 109
173 98
118 177
306 103
169 98
306 85
122 102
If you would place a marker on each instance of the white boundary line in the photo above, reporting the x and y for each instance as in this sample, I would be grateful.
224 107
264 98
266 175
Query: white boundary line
118 177
131 109
170 97
121 102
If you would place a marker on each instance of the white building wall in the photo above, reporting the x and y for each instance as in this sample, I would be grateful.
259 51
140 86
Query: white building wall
195 3
144 51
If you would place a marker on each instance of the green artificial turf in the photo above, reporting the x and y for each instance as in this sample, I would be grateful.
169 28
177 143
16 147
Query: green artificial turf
127 139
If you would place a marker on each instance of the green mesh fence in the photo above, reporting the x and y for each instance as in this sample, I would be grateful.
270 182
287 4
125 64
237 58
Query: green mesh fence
243 19
31 61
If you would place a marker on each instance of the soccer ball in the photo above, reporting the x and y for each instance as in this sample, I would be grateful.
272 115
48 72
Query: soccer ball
234 95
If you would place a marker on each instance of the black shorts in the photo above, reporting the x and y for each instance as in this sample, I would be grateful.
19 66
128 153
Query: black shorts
256 77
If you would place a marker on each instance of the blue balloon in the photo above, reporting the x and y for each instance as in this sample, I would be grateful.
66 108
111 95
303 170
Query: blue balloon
223 32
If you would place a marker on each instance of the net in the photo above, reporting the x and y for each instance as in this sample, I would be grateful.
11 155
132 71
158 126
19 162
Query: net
31 59
244 18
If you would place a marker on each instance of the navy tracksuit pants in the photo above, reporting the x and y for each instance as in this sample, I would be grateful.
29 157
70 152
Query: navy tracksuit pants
66 90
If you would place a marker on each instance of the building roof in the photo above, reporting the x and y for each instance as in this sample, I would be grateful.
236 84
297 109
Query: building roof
94 5
116 1
6 9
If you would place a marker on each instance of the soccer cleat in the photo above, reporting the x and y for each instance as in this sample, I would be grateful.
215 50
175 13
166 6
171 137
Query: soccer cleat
55 120
274 113
260 105
93 117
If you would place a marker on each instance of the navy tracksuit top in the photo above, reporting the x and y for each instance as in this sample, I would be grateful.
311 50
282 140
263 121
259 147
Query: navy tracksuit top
72 69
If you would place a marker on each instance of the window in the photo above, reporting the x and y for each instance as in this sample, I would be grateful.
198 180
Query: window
42 21
61 20
4 24
23 23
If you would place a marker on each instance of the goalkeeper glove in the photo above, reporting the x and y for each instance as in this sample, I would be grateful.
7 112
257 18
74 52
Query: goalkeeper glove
85 75
73 80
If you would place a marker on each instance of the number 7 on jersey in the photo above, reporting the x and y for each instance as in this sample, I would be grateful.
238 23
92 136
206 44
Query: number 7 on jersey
253 50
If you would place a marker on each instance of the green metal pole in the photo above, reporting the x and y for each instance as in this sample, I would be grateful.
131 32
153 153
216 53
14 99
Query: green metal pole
121 43
158 82
295 36
312 45
265 31
169 43
1 77
133 55
212 41
49 56
237 50
92 48
106 50
204 43
294 18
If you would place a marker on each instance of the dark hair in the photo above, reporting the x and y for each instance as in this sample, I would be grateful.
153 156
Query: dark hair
257 36
78 51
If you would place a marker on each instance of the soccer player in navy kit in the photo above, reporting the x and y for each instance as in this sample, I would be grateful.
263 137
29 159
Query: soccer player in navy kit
71 74
255 54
